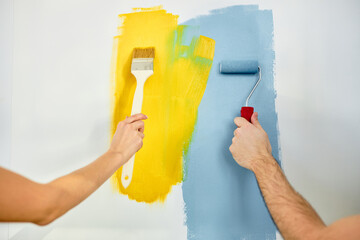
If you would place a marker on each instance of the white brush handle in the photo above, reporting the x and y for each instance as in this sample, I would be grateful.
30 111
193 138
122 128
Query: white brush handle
141 76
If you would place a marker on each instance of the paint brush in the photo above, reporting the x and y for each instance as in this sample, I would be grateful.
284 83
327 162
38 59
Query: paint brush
142 67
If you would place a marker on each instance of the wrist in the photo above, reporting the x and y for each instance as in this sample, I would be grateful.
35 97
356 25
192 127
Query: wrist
116 157
263 163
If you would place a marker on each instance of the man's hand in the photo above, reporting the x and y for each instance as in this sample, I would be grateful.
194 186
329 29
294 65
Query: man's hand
128 138
293 215
250 143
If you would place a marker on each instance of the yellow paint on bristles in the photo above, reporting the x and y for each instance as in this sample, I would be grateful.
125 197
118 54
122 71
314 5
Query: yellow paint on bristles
171 97
144 52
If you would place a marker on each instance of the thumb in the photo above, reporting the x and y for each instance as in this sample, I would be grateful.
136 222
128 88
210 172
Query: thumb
255 120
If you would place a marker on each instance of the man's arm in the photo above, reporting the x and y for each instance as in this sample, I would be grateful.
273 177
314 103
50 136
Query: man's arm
293 215
23 200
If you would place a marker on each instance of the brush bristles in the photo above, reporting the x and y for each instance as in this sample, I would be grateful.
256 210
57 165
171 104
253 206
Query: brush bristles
144 52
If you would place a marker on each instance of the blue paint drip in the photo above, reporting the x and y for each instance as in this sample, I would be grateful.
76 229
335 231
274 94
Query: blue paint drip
222 199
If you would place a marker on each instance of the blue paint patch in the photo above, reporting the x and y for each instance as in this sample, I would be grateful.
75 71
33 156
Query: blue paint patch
222 199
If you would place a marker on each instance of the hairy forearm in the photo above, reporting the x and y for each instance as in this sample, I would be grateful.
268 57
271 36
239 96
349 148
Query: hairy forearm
293 215
68 191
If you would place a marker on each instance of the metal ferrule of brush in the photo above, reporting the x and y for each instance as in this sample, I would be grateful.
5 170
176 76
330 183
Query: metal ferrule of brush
140 64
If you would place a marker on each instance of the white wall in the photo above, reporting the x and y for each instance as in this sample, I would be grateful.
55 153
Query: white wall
6 43
317 47
317 56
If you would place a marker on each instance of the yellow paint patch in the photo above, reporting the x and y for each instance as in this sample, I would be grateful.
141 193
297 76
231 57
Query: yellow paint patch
172 95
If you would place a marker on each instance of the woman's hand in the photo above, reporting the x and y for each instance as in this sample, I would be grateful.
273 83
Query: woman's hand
128 138
43 203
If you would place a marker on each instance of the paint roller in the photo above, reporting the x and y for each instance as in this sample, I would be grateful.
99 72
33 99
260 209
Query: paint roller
243 67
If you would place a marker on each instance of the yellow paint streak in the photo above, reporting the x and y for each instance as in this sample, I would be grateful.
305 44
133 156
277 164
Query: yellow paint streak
171 96
147 9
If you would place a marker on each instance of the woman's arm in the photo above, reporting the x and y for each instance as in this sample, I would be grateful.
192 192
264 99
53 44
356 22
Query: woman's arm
22 200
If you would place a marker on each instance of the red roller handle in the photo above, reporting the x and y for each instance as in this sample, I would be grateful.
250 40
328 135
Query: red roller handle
247 112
